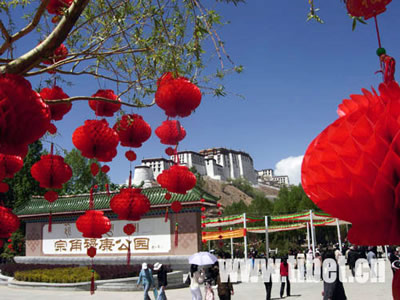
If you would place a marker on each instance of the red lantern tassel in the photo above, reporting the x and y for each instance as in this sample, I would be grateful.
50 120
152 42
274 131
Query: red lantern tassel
128 257
108 190
176 235
91 199
50 221
92 282
166 215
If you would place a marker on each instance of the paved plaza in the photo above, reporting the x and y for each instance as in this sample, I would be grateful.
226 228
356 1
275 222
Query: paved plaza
253 291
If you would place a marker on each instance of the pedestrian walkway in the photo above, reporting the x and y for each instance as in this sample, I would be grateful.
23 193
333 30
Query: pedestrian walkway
243 291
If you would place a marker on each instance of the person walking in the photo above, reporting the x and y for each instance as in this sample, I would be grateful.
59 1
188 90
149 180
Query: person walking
352 258
161 280
333 290
196 278
284 270
225 289
268 282
146 279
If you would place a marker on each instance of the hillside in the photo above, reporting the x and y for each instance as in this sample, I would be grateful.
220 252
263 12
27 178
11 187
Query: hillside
230 194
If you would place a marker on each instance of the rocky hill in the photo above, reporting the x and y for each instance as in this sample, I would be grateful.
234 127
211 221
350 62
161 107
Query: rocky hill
230 194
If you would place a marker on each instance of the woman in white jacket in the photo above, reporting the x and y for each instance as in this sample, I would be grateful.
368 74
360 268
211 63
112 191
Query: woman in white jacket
196 278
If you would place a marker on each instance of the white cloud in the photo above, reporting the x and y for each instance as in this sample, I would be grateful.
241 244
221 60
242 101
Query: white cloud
290 166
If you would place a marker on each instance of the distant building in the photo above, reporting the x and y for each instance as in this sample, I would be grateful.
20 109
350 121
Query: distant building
266 176
157 165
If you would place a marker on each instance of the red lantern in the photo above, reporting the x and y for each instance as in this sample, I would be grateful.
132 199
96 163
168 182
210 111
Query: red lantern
57 7
59 54
170 132
58 110
51 171
51 196
167 196
24 117
91 252
133 131
129 229
350 169
96 139
130 155
8 222
130 204
93 224
366 8
4 187
169 151
52 129
105 169
177 179
176 206
9 165
177 96
94 169
102 108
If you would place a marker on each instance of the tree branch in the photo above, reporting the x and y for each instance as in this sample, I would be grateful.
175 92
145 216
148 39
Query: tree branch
33 57
35 21
80 98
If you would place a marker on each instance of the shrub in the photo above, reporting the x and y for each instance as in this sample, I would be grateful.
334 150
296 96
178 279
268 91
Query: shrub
57 275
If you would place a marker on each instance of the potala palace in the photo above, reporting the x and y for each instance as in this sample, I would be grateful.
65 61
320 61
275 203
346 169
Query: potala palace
216 163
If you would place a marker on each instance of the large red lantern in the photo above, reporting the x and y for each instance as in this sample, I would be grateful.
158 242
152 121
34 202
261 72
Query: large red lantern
93 224
103 108
57 7
130 204
366 8
51 171
58 110
60 53
96 139
177 179
129 229
352 168
170 132
9 165
177 96
132 130
8 222
24 117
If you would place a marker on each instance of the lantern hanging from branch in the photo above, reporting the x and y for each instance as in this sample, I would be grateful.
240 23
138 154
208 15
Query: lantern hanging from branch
93 224
95 139
9 165
170 132
130 204
57 7
24 117
177 179
8 222
51 171
129 229
366 8
352 168
58 110
103 108
177 96
59 54
132 130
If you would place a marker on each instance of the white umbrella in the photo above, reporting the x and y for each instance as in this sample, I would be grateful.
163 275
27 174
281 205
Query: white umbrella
202 259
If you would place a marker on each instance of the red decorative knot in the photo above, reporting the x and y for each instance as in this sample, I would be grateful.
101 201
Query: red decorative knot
168 196
24 117
91 251
170 151
105 169
58 110
203 217
10 246
203 209
220 237
51 196
170 132
8 222
4 187
176 206
204 241
219 228
366 8
203 225
96 139
129 229
9 165
103 108
202 200
219 213
221 244
350 169
51 171
177 96
133 131
57 7
94 168
177 179
130 204
93 224
218 205
203 233
60 53
130 155
52 129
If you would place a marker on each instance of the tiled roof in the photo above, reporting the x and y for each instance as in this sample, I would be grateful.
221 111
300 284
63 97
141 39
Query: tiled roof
79 203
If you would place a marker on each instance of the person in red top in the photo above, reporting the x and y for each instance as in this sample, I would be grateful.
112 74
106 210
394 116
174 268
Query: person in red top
285 277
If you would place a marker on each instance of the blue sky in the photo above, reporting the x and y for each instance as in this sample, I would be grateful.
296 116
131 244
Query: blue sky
295 75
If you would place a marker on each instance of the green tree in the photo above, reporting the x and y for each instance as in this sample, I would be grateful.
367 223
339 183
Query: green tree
22 185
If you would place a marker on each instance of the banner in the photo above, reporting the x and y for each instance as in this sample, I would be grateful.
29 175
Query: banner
222 235
302 217
276 228
227 221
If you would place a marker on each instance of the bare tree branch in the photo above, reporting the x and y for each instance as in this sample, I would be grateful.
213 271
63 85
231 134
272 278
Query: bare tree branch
33 57
80 98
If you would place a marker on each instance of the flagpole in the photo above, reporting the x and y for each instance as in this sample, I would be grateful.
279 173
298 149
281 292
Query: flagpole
308 236
312 232
338 233
245 235
231 244
266 238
